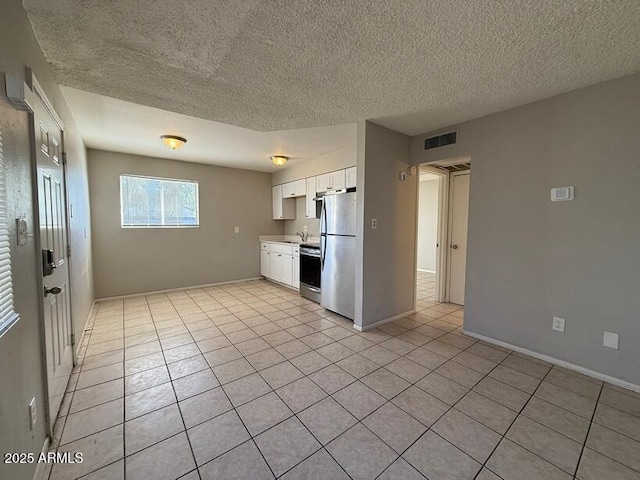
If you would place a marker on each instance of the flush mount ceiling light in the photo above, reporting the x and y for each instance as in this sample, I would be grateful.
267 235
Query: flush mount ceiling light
173 141
279 160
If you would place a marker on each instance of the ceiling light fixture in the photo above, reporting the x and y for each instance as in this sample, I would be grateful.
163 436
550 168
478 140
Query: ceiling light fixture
173 141
279 160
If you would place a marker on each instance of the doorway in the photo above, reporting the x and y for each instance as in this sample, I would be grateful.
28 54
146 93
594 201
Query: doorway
443 200
51 231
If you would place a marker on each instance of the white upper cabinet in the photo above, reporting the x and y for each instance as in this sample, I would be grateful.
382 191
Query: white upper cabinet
331 181
283 209
324 182
351 174
294 189
311 194
338 179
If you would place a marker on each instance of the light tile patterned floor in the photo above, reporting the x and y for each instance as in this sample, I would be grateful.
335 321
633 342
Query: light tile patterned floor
251 381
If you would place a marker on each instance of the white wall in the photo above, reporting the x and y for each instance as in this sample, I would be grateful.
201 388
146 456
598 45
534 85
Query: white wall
385 257
529 259
427 221
134 260
21 361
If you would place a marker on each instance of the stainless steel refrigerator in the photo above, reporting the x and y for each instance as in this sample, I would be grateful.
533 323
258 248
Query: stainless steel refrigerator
337 251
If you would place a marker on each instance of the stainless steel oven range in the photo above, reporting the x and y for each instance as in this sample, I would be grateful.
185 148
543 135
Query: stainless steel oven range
310 271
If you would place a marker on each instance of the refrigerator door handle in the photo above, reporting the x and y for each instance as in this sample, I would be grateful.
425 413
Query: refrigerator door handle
323 232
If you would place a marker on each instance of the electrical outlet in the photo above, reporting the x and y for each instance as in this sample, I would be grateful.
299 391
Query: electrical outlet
304 228
558 324
374 223
236 229
33 412
611 340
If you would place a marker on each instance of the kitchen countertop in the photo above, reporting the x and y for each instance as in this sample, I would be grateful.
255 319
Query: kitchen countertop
287 239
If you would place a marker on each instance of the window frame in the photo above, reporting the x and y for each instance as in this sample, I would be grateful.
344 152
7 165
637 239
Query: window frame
7 303
165 179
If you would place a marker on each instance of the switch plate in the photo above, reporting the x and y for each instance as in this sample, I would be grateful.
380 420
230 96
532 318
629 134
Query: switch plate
374 223
558 324
611 340
33 412
236 229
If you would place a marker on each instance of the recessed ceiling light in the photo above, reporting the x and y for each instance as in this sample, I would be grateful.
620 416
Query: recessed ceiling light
173 141
279 160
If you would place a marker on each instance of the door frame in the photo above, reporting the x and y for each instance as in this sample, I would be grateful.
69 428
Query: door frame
443 234
34 93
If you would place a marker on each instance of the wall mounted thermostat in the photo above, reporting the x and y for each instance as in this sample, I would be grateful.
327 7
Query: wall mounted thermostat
561 194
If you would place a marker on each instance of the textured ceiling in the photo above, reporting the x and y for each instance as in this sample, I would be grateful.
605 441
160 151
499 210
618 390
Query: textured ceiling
110 124
274 65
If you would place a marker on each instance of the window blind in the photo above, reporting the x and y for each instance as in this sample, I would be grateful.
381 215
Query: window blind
8 316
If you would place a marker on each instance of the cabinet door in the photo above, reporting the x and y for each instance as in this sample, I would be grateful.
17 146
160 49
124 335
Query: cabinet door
351 177
300 188
338 180
296 271
288 190
311 194
264 263
324 182
277 202
286 269
275 266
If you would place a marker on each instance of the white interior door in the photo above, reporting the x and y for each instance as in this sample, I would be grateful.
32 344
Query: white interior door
458 217
53 239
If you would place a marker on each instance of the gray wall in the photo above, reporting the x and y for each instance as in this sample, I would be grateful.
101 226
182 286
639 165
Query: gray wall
128 261
297 225
529 259
385 267
427 223
21 372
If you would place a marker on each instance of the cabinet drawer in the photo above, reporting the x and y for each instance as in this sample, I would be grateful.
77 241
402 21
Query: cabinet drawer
264 246
279 248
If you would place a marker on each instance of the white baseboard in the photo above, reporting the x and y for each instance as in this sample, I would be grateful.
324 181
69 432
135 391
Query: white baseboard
383 321
426 271
41 467
561 363
84 329
206 285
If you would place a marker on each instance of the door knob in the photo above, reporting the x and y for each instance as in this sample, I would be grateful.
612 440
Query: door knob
455 247
52 290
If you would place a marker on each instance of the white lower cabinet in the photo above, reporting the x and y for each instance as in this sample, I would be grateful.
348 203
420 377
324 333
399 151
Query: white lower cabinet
264 263
280 262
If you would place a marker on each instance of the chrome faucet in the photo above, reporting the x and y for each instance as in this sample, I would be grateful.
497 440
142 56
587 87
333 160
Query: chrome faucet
303 236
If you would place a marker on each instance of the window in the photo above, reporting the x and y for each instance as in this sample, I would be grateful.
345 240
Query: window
158 202
8 317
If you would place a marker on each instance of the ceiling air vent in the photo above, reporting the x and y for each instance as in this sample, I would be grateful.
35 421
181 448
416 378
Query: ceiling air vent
440 140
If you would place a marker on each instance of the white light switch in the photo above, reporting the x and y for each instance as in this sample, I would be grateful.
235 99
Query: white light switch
611 340
236 229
